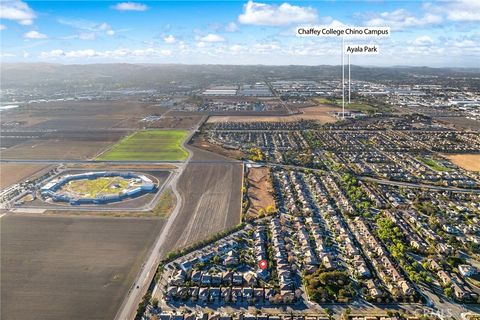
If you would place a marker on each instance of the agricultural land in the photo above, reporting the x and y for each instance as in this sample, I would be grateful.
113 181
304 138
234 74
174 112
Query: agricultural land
150 145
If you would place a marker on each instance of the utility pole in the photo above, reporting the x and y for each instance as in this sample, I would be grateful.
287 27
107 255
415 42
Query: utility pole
348 79
343 79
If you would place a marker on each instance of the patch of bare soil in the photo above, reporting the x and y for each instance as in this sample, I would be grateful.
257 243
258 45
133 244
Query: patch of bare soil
470 162
259 192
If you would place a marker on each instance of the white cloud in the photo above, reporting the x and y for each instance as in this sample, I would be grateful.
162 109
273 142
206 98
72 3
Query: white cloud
462 10
272 15
81 53
324 22
7 55
88 30
463 46
231 27
54 53
118 53
2 27
265 47
87 36
34 35
183 47
169 39
236 47
401 18
105 27
130 6
329 22
212 38
166 52
423 41
424 51
17 11
82 24
466 43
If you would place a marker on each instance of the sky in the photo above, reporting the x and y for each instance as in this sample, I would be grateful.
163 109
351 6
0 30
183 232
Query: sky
423 33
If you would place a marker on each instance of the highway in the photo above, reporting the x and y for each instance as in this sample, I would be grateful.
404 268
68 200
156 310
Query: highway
379 181
417 185
233 161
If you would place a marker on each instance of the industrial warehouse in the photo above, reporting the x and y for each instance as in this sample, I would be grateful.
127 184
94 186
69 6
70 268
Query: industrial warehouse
99 187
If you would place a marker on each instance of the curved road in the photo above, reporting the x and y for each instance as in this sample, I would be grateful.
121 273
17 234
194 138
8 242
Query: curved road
130 303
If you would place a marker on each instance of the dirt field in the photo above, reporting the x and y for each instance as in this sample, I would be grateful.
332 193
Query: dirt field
461 123
319 113
74 115
259 191
70 267
76 124
71 144
469 162
102 166
54 149
199 142
10 139
11 173
211 195
176 122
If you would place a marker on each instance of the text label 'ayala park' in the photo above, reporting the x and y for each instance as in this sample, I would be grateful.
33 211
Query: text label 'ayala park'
356 49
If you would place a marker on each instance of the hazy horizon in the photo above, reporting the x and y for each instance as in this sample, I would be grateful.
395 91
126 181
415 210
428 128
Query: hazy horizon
230 64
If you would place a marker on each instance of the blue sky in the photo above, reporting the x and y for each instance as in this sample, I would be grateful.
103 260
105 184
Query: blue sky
236 32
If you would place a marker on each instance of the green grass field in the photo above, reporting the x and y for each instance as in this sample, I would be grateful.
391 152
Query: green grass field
433 164
359 106
322 100
149 145
106 185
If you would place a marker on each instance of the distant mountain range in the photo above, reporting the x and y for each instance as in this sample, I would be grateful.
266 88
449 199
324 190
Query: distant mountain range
151 76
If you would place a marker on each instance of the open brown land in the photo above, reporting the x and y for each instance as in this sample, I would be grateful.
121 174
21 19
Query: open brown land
75 115
176 122
69 144
11 173
461 123
320 113
70 267
10 139
25 140
259 192
200 142
211 199
110 166
469 162
54 149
